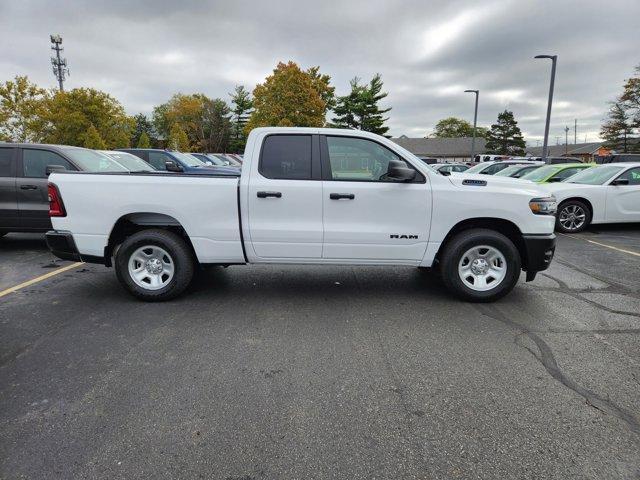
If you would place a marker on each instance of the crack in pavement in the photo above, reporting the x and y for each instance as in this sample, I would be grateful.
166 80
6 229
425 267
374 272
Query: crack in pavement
547 359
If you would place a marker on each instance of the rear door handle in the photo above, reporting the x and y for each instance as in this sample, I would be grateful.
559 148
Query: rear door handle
269 194
338 196
28 187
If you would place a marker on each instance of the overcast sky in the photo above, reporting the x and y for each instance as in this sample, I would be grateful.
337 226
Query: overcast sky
427 51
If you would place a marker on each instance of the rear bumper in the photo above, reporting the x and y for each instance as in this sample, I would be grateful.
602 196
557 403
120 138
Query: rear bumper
539 251
62 246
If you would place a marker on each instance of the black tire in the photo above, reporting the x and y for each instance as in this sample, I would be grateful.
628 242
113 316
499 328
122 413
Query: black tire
453 254
180 255
574 206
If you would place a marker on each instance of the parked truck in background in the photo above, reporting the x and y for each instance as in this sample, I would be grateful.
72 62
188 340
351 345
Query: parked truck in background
306 196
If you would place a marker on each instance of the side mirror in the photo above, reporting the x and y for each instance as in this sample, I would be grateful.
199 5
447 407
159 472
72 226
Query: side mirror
172 166
620 181
54 168
398 170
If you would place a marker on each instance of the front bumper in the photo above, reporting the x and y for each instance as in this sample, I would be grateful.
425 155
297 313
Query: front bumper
62 246
539 250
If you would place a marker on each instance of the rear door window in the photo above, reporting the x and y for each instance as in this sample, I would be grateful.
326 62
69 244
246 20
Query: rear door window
7 162
35 162
286 157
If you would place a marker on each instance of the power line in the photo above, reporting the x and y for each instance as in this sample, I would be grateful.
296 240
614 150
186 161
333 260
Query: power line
60 69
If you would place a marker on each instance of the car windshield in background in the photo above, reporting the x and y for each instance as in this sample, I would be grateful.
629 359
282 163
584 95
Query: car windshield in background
130 162
540 173
594 176
507 172
477 168
92 161
215 160
188 159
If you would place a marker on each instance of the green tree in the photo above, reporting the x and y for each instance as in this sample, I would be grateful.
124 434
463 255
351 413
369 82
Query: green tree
505 137
143 141
619 127
142 125
21 104
241 105
216 126
92 139
360 108
452 127
178 139
322 84
287 98
68 115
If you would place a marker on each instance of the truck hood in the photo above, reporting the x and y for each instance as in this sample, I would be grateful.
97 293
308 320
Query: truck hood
501 182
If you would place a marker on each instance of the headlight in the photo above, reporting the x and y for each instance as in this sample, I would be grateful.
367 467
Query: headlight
544 206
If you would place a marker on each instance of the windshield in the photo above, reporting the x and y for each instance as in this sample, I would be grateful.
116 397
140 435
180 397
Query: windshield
541 173
130 162
507 172
91 161
215 160
477 168
188 159
595 175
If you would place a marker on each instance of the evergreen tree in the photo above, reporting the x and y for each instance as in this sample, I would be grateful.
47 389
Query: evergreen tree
178 139
505 137
143 141
92 139
241 105
360 110
142 125
621 130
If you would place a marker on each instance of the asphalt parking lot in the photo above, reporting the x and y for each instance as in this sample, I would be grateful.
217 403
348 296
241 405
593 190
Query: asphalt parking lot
322 372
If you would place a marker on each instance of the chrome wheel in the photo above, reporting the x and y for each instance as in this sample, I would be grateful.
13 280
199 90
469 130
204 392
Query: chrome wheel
151 267
572 217
482 268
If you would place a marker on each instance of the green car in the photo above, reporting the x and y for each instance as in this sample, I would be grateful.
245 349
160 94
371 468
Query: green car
556 173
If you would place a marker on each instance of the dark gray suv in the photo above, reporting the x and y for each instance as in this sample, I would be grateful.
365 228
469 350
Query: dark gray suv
24 168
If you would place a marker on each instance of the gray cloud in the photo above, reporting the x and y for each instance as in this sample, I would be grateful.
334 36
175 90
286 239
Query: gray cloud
427 52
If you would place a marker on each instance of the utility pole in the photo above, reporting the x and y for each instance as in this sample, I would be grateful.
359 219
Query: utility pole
475 121
60 69
566 140
575 131
554 59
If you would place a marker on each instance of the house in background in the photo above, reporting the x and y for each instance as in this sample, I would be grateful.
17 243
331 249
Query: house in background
443 149
585 151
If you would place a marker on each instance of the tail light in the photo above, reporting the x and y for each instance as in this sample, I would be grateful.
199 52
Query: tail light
56 207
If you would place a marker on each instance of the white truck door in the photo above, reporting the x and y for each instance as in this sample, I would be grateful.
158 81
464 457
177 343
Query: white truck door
623 200
285 198
367 216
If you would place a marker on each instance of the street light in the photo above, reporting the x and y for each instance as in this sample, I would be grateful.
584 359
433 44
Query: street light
554 59
475 121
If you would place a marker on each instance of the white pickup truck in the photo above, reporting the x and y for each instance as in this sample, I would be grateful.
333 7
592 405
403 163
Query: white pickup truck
306 196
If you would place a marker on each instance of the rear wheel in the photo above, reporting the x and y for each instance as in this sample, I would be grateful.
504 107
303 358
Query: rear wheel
154 265
480 265
573 216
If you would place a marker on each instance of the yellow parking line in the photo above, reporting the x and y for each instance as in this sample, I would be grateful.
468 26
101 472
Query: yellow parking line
630 252
39 279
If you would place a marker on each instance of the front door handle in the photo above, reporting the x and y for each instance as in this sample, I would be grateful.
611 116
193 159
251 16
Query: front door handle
28 187
269 194
338 196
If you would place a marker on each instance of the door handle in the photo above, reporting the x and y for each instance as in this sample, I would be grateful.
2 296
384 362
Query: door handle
338 196
28 187
269 194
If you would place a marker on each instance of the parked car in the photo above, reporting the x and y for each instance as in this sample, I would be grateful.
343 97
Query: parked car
493 167
217 159
371 203
24 168
490 158
556 173
429 160
557 160
128 161
445 168
173 161
517 171
603 194
619 158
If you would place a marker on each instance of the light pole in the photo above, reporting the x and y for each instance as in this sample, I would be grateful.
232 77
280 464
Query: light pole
554 59
475 121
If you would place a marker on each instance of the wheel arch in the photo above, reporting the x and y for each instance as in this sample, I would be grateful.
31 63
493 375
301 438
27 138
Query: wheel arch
580 199
501 225
135 222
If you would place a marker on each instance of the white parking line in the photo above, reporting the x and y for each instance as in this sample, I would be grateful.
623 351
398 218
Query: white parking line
39 279
630 252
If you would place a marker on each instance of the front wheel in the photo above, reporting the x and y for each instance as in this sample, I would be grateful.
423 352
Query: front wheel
480 265
573 216
154 265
